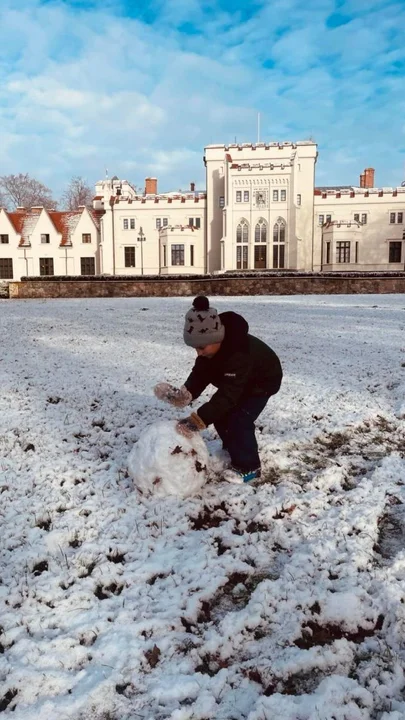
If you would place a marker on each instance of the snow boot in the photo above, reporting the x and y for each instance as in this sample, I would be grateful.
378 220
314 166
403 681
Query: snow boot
233 475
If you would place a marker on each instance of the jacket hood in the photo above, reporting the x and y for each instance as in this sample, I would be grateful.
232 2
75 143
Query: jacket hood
236 329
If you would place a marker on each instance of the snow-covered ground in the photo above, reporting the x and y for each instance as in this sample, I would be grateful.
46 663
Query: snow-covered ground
284 602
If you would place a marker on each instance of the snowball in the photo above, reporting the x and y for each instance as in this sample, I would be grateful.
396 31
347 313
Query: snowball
166 463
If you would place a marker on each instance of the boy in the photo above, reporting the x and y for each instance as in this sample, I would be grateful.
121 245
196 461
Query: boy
246 372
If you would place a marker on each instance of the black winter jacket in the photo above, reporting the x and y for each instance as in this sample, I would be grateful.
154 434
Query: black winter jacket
243 366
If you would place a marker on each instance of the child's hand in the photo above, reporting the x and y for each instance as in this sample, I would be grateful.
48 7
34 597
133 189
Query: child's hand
190 425
179 397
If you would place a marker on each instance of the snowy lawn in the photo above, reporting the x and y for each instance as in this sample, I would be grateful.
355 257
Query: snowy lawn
280 602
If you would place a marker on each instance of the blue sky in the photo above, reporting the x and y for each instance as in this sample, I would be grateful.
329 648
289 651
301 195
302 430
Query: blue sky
140 87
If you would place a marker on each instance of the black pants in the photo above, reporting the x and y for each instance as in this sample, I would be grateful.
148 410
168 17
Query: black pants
237 432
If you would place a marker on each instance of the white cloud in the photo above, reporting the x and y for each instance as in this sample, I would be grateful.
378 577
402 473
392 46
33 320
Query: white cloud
83 90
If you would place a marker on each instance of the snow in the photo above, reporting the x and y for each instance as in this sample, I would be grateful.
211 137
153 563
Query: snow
165 463
285 600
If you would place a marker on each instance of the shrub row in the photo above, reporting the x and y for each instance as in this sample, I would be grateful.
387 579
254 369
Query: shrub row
216 276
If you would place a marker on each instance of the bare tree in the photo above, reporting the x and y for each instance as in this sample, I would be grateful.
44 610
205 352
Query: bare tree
76 194
24 191
3 200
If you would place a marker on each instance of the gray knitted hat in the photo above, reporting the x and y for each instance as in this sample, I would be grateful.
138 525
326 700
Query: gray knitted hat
203 325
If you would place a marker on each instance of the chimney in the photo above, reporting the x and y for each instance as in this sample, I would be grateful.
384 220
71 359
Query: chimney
367 178
150 186
192 187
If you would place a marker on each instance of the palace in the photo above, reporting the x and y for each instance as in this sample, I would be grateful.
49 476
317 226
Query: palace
261 210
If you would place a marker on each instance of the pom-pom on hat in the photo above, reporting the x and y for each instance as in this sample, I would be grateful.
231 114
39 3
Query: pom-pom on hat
203 325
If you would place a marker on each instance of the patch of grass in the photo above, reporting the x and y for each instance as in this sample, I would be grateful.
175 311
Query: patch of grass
87 570
40 567
124 689
75 541
7 698
234 595
333 441
315 634
44 523
211 665
116 556
157 576
383 424
103 592
210 517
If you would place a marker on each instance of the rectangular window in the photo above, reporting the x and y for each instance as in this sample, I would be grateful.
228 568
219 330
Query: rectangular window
328 253
198 222
356 217
275 195
283 195
191 222
343 252
356 252
177 254
364 218
86 238
3 239
298 199
241 258
87 266
164 256
221 201
191 255
329 218
158 223
46 266
45 240
278 257
6 269
125 223
129 255
132 223
321 219
246 196
400 217
165 222
392 218
239 196
395 252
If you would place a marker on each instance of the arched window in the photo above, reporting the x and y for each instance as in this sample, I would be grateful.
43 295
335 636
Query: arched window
242 232
261 231
242 248
279 232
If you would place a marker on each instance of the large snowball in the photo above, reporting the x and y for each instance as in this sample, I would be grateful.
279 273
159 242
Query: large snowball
166 463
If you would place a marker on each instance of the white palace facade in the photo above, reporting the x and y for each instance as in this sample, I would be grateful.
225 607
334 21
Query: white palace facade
261 210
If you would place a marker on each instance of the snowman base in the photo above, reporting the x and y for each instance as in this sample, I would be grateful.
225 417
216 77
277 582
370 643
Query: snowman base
163 462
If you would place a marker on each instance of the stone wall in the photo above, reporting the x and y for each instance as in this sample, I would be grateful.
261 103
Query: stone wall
3 289
299 285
